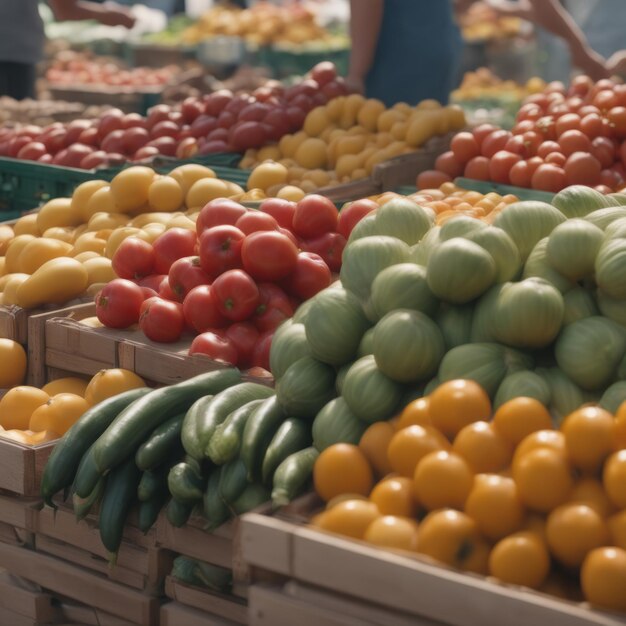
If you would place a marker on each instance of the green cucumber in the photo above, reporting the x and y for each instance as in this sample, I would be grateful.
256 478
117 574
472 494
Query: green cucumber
293 475
292 435
82 506
226 440
215 509
135 423
251 497
120 494
149 511
183 569
258 433
213 577
178 512
186 483
163 440
87 476
154 481
63 463
199 426
233 480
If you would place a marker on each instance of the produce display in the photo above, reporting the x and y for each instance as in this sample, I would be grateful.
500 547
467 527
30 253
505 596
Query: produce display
481 23
345 139
562 137
33 416
43 112
500 493
483 84
217 122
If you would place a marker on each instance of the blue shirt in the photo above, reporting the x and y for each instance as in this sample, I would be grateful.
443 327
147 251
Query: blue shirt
21 31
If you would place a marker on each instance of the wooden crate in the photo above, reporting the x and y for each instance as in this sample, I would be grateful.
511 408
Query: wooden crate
21 466
176 614
352 191
80 584
214 604
74 347
398 585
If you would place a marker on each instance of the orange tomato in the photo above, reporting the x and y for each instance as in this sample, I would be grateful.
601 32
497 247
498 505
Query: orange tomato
374 443
552 439
603 578
484 449
415 414
614 478
456 404
520 559
350 518
573 530
617 529
449 536
620 427
518 418
544 480
442 479
495 506
589 437
390 531
59 414
108 383
394 496
590 491
18 404
342 469
409 445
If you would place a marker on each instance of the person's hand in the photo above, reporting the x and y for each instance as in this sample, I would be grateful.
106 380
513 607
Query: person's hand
617 63
592 64
117 15
355 84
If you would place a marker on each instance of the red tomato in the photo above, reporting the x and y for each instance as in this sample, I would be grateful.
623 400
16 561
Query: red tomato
310 276
465 147
495 142
574 141
281 210
549 178
517 145
268 255
477 168
482 132
201 310
617 119
172 245
165 291
611 179
534 163
289 235
449 164
520 174
556 158
237 295
261 354
591 125
255 221
152 282
548 147
185 274
161 320
569 121
523 127
244 337
314 216
220 249
546 128
532 141
218 213
273 309
118 303
501 164
330 247
583 169
134 259
352 213
216 347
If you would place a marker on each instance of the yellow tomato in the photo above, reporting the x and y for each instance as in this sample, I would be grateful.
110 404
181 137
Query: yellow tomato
59 414
40 251
520 559
18 404
108 383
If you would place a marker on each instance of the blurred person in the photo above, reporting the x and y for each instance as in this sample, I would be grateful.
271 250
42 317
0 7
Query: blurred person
404 50
22 37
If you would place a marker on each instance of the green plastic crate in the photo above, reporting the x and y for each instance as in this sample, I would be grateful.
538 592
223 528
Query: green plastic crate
24 185
286 62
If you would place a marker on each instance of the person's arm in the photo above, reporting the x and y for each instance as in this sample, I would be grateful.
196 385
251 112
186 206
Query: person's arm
109 13
365 21
554 18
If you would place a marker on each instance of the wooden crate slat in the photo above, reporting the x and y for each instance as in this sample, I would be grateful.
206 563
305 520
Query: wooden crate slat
176 614
18 596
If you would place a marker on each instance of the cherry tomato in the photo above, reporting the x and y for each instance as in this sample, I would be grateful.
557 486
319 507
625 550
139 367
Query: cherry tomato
352 213
220 249
261 354
237 295
201 310
602 148
118 303
330 247
218 213
574 141
449 164
134 259
548 147
281 210
546 128
314 216
273 309
268 255
216 347
310 276
520 174
255 221
172 245
161 320
244 337
185 274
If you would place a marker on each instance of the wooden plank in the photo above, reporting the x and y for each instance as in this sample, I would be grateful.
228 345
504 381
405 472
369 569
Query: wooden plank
19 596
175 614
228 607
88 616
79 584
21 466
266 542
10 618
